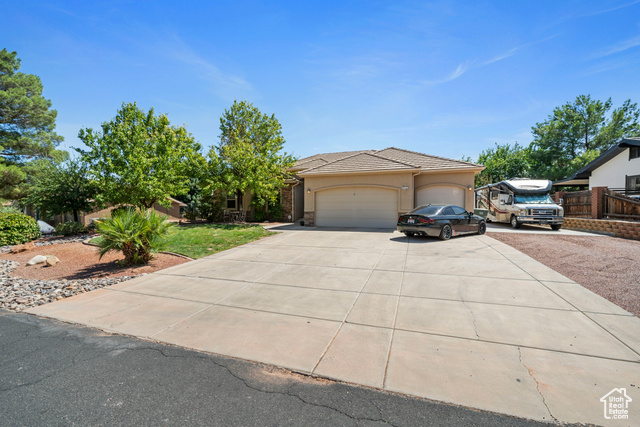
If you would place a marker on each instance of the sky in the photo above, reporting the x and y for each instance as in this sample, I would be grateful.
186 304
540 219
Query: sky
447 78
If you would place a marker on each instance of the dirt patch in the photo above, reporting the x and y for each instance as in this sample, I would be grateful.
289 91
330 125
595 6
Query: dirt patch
608 266
79 261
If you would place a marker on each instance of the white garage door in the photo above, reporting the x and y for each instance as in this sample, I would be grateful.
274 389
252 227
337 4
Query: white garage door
357 207
440 195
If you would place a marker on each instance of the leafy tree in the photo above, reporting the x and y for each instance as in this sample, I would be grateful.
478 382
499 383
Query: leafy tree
577 131
139 158
26 125
60 188
503 162
249 156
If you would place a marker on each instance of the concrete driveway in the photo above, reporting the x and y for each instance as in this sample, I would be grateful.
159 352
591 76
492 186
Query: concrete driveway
469 321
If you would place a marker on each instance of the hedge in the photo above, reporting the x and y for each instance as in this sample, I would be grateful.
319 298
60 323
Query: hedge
16 228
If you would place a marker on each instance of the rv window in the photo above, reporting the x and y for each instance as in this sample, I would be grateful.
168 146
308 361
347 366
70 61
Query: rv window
534 199
510 200
494 195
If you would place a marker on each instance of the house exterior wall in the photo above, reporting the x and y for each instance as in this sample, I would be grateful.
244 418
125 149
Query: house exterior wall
286 200
613 173
463 180
386 180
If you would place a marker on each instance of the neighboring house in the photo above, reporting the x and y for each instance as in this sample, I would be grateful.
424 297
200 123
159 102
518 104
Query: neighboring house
618 168
174 212
370 188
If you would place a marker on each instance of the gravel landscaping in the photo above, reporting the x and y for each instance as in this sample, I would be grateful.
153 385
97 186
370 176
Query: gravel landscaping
79 271
608 266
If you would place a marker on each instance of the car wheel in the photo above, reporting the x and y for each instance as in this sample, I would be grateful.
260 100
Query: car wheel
514 222
409 233
556 227
445 233
482 227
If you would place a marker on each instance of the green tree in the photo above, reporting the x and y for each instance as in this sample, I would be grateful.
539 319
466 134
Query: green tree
249 156
60 188
503 162
26 125
578 131
139 158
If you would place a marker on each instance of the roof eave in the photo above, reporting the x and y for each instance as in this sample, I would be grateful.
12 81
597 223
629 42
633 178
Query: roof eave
371 172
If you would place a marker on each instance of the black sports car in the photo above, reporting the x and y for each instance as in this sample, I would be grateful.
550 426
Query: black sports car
442 221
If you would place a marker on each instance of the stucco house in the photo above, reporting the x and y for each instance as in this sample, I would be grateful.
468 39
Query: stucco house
370 188
618 168
174 212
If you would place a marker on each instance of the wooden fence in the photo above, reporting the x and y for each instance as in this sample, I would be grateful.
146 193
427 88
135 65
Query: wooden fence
619 206
577 204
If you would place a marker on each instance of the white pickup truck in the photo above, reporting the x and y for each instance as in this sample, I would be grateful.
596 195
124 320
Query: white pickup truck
520 201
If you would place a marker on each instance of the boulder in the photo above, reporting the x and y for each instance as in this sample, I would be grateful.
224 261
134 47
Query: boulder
22 248
38 259
52 260
45 228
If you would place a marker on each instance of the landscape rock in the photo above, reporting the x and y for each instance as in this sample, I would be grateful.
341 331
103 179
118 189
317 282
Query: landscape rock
51 260
22 248
38 259
17 293
47 242
45 228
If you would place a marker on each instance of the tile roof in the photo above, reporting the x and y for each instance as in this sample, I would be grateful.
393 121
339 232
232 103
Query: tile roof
360 162
387 159
425 161
305 163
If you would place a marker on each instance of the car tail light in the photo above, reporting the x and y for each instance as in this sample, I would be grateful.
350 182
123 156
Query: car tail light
425 221
401 219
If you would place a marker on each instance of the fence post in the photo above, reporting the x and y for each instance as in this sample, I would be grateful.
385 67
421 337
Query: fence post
559 197
597 202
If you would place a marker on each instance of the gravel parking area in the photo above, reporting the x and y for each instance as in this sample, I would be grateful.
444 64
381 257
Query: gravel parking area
608 266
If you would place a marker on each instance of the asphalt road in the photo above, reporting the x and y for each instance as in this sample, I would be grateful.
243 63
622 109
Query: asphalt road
52 373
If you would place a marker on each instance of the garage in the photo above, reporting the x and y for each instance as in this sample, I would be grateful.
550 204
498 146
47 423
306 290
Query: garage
440 195
357 207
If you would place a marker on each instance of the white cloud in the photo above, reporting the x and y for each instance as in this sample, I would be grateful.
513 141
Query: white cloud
618 47
226 85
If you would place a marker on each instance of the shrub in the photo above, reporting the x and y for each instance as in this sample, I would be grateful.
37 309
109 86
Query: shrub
70 228
16 228
9 209
262 213
137 234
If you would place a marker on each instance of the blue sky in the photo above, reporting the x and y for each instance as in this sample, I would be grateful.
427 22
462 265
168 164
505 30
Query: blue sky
445 78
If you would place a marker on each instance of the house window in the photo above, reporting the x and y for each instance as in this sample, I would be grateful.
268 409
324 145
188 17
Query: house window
634 152
231 202
633 183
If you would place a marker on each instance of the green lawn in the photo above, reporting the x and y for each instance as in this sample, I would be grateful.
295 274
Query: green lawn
200 240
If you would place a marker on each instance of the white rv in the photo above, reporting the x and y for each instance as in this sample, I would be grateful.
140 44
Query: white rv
520 201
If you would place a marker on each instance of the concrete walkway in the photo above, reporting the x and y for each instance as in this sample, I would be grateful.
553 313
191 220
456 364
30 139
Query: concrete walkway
469 321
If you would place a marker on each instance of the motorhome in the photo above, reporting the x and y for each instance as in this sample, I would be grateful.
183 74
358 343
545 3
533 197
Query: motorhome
520 201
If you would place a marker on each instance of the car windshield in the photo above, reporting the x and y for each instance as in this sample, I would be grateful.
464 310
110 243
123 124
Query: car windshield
534 199
426 210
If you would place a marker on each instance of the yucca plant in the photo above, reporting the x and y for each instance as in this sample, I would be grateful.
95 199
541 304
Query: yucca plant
136 233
